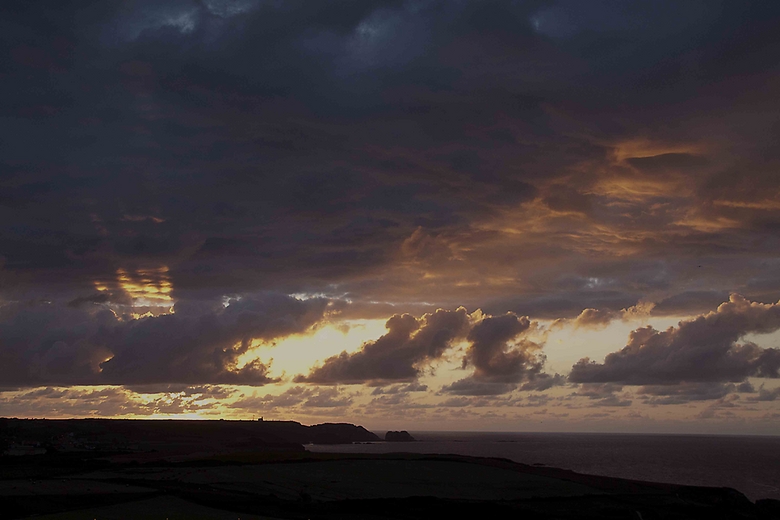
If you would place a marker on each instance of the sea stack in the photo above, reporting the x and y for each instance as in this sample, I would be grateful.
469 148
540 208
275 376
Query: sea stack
402 436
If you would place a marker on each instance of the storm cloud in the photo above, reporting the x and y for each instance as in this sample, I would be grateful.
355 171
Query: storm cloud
250 146
703 349
45 343
496 352
399 355
501 358
183 180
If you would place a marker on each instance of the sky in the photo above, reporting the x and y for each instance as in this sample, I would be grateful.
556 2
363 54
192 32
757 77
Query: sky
430 215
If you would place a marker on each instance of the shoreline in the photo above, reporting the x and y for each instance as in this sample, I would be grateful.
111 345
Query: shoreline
330 485
267 468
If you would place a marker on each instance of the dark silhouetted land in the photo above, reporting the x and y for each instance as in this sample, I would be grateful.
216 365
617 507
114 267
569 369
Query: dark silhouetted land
402 436
229 469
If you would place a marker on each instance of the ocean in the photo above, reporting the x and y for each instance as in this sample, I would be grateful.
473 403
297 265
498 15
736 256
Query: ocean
749 464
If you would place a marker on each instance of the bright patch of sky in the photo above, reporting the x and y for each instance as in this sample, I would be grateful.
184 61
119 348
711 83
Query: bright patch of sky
297 353
567 345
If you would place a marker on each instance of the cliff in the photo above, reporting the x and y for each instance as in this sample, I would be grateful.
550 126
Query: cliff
309 485
402 436
174 437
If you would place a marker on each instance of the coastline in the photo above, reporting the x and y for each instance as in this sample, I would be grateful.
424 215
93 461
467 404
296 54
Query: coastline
187 469
296 485
745 463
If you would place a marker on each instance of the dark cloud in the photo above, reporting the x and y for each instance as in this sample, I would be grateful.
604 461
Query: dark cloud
595 318
542 382
49 343
471 386
704 349
538 400
613 400
685 303
719 409
328 398
498 355
296 396
105 402
399 355
265 146
598 390
202 391
100 297
475 402
289 398
557 159
563 198
569 299
667 161
400 389
600 318
686 392
766 394
502 358
602 394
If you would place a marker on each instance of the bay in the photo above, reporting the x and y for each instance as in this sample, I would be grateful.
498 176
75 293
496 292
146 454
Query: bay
749 464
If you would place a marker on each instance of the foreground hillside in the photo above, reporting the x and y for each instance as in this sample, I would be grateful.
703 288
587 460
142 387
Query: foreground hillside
295 485
147 440
270 481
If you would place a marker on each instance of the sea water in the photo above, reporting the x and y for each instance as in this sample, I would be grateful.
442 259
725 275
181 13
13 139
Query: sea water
749 464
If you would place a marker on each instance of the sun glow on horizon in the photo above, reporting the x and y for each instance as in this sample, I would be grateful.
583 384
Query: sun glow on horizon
297 353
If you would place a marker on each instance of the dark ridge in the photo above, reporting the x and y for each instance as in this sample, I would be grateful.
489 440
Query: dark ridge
330 486
168 437
132 468
402 436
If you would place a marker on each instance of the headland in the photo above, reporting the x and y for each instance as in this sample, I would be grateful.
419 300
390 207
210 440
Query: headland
260 469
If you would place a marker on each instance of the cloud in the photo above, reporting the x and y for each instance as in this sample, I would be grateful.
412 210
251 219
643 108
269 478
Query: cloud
440 141
599 318
613 400
400 389
98 298
471 386
687 392
685 303
289 398
501 359
719 409
295 398
597 390
471 402
541 382
537 400
595 318
50 343
456 122
103 402
562 160
399 355
199 391
703 349
328 398
491 355
766 395
602 394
